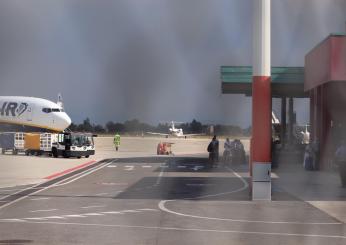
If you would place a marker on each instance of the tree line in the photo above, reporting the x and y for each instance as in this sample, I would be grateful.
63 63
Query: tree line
135 127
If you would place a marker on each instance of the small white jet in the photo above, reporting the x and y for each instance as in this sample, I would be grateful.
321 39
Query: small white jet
34 112
306 135
175 132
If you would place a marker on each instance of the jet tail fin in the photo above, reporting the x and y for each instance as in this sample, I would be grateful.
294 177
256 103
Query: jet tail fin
60 101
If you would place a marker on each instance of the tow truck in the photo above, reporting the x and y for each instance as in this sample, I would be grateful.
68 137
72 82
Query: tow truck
71 144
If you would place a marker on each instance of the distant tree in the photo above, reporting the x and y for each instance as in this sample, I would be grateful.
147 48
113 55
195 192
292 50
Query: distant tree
73 127
195 126
87 126
162 127
98 128
115 127
132 125
119 127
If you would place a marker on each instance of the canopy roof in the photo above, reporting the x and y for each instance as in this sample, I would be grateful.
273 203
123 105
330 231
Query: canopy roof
286 81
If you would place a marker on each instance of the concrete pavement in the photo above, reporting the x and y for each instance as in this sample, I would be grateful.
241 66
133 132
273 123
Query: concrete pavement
152 200
135 197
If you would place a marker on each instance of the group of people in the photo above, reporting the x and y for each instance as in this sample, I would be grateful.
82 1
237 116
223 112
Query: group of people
233 151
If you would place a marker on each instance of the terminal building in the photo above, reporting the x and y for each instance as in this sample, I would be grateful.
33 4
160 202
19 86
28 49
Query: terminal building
322 80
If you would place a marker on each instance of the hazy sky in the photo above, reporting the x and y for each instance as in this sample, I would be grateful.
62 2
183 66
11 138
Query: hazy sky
155 60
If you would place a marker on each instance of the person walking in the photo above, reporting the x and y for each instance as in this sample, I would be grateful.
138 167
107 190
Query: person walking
227 151
213 149
117 141
340 159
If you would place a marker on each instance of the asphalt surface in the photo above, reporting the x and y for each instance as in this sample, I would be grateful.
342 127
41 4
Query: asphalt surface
159 200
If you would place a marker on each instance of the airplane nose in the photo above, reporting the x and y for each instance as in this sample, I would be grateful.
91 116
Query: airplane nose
65 121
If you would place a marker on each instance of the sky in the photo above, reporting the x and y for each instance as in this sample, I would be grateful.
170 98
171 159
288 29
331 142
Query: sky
154 60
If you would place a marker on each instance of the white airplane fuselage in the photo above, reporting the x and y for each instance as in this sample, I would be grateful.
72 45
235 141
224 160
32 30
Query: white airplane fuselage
33 112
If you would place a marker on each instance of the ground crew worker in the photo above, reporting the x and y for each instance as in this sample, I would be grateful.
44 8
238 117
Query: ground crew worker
117 141
340 159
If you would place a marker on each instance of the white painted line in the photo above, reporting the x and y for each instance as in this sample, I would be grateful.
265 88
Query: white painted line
129 168
158 181
36 218
43 210
199 184
111 166
95 206
283 234
84 174
130 211
162 206
53 217
45 188
92 214
148 209
112 212
74 216
146 166
12 220
40 198
28 188
101 194
181 166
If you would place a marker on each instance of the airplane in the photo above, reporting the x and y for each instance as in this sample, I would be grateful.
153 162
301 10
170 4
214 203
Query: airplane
34 113
175 132
305 135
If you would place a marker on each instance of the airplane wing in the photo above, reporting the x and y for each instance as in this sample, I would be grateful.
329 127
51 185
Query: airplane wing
153 133
189 135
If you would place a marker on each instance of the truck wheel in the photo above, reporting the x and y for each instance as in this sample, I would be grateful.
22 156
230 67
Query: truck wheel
87 156
55 153
15 152
79 157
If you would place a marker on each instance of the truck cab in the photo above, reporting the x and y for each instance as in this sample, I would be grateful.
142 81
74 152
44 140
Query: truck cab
74 145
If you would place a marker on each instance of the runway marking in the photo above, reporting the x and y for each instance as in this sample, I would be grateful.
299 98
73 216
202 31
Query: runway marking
69 170
51 217
158 181
111 166
162 207
112 212
146 166
43 210
102 194
111 183
75 216
196 168
281 234
40 189
12 220
95 206
92 214
83 215
130 211
83 174
40 198
192 184
129 168
36 218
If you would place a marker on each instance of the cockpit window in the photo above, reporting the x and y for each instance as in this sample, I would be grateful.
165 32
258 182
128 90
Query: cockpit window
47 110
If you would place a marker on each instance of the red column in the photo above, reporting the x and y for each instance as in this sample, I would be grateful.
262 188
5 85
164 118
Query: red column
261 119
